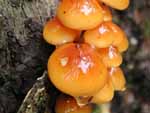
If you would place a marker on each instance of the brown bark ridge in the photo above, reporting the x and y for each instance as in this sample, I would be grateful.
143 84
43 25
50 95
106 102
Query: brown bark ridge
23 53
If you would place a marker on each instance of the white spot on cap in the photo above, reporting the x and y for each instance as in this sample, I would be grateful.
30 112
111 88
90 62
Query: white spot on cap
112 70
102 29
86 9
85 64
111 52
64 61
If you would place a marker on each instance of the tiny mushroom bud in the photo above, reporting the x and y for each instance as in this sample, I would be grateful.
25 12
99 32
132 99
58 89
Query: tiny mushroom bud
67 104
55 33
117 4
106 13
106 34
122 45
77 70
110 56
105 94
80 14
117 78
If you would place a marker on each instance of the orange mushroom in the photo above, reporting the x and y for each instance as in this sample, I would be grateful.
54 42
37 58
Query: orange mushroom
117 4
105 94
80 14
55 33
122 45
110 56
106 34
107 16
117 78
77 70
67 104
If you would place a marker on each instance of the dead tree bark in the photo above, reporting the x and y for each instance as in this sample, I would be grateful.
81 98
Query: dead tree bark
23 53
36 100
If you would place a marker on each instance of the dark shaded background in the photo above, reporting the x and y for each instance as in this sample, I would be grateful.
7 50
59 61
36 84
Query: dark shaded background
24 53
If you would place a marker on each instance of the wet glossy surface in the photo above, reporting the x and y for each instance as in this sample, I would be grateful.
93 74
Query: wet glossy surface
122 45
118 79
105 94
55 33
105 35
111 56
106 13
117 4
79 14
66 104
77 69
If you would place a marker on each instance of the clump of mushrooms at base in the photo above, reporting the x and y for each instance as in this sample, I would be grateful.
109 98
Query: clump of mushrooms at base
89 47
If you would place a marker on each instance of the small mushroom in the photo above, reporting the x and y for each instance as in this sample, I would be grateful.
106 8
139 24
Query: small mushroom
105 94
106 34
107 16
117 78
117 4
77 70
110 56
67 104
80 14
57 34
122 45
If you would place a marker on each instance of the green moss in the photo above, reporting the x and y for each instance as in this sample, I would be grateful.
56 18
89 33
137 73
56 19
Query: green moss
147 28
96 109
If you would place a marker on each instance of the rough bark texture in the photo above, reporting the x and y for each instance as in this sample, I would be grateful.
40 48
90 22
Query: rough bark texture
23 53
36 99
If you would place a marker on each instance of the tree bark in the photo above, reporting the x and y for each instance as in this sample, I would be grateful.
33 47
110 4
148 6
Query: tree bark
23 53
37 99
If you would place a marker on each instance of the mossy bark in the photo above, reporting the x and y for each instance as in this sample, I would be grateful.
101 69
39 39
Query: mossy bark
36 100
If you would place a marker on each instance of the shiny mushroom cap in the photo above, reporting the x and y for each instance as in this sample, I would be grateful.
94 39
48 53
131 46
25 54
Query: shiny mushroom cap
67 104
80 14
105 94
57 34
77 70
122 45
107 16
117 4
110 56
117 77
106 34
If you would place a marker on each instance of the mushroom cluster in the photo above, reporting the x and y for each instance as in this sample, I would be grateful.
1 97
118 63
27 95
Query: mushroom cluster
89 47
